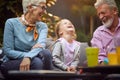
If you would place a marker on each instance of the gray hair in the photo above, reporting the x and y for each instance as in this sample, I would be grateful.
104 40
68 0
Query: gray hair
26 3
111 3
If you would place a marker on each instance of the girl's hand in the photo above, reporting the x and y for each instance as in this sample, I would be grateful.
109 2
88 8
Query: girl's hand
71 69
25 64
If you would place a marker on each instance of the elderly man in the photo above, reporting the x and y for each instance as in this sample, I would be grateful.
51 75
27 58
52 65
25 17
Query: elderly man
107 36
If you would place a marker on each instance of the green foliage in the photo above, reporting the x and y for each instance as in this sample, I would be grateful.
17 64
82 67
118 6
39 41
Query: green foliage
82 37
118 4
14 6
1 37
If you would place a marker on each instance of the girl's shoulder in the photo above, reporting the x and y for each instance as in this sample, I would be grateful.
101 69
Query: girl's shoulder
58 41
78 43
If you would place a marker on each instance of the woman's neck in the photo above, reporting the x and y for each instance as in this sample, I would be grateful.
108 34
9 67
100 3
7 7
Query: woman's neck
29 19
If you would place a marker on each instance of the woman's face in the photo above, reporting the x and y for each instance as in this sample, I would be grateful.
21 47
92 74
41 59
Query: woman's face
38 11
66 26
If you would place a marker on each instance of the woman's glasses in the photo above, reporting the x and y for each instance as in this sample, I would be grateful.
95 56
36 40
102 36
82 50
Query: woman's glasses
42 7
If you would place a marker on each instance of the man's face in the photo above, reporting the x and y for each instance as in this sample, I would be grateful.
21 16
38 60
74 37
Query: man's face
106 14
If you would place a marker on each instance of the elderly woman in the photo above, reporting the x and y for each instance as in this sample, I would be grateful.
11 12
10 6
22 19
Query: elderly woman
25 39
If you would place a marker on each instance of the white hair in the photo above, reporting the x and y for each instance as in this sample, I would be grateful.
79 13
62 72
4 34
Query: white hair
111 3
26 3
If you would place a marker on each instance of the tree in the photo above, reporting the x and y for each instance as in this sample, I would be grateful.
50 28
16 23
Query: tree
13 8
118 4
86 9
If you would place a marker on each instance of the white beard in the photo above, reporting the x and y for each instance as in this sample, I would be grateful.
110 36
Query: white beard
108 23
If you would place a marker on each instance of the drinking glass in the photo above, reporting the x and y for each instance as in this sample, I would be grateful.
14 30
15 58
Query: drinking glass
92 56
117 46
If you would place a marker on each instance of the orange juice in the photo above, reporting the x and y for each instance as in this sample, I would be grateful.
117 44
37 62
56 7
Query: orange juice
112 57
118 53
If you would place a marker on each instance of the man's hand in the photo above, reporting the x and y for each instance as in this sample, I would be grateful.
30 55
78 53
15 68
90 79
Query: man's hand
25 64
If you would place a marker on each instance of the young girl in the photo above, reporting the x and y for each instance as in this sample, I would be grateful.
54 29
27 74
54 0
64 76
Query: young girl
66 50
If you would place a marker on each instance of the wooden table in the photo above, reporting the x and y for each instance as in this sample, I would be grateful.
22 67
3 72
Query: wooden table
51 75
108 72
102 69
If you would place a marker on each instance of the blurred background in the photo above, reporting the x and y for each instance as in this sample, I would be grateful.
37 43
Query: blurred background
81 13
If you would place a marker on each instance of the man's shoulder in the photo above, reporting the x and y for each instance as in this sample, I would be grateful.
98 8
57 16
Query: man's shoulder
100 28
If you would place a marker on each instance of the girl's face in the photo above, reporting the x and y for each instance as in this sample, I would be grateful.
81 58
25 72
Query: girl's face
66 27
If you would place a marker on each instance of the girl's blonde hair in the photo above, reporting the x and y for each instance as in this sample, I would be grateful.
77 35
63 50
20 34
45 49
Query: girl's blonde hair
57 29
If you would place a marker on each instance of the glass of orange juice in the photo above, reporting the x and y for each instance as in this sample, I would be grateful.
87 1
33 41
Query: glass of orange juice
117 47
113 59
118 53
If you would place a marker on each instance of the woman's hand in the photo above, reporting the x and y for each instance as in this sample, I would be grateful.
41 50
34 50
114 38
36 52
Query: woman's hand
25 64
37 46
